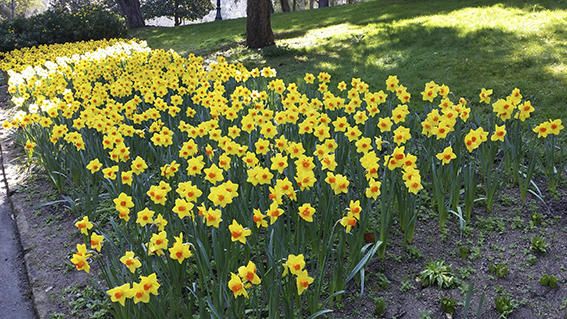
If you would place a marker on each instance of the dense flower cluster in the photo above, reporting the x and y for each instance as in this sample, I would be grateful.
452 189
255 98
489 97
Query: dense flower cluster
18 60
211 168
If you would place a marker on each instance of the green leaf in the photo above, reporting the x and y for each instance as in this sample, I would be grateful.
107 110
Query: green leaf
320 313
364 259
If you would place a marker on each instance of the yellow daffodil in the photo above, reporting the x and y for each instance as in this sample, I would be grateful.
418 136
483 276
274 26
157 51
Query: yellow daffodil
238 232
248 273
84 225
259 219
182 208
373 189
555 126
139 294
96 241
158 242
119 294
94 166
485 95
130 261
349 221
213 217
295 264
446 156
499 133
306 212
303 281
80 258
236 285
150 284
179 251
145 217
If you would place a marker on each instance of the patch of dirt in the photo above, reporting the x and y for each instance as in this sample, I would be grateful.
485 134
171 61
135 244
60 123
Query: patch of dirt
503 236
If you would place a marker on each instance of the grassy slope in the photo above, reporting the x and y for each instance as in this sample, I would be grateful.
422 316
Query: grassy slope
465 44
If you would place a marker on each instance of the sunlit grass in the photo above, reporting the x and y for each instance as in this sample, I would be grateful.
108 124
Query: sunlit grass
500 17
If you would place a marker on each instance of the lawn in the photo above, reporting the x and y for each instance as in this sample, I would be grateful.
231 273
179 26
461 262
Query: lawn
465 44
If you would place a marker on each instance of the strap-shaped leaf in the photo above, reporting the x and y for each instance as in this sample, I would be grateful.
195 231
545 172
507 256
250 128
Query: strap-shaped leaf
371 252
320 313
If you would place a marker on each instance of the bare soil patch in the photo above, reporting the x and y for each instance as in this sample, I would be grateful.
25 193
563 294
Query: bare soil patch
501 237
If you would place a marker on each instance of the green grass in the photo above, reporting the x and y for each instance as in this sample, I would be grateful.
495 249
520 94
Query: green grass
465 44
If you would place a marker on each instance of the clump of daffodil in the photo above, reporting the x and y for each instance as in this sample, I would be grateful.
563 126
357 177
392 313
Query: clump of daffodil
247 277
217 163
81 258
295 264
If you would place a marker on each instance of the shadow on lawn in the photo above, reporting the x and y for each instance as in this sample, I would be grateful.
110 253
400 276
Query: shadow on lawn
290 26
211 36
404 49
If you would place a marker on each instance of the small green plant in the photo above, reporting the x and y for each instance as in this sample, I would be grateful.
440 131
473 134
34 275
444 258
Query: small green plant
491 224
406 285
518 223
536 219
448 305
425 315
89 301
382 281
438 274
504 305
379 307
414 252
475 253
538 245
277 51
549 281
531 259
507 200
500 270
395 257
466 272
357 38
464 251
563 304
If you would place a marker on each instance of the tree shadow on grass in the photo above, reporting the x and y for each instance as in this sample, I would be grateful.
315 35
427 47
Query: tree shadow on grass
386 11
211 36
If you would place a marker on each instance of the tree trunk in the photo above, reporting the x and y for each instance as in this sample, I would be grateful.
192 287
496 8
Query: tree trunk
311 4
271 4
12 9
258 26
131 10
294 5
176 15
5 11
323 3
285 5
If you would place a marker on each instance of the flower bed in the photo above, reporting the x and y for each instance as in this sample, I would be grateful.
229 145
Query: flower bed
221 191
